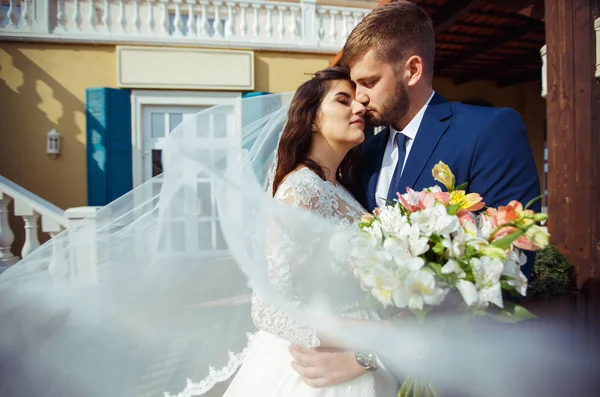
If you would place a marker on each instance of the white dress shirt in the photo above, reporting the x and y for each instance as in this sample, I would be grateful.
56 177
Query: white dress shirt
390 157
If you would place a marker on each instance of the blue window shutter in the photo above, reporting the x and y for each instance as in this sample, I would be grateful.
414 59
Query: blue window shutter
108 135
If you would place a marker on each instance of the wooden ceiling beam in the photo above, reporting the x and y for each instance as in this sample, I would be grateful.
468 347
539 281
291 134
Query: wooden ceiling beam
489 72
487 46
512 5
453 11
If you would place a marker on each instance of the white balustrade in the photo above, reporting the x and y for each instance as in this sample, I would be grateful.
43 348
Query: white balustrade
31 209
293 26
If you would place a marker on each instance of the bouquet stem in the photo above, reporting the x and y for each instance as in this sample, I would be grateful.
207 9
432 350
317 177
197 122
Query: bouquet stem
414 387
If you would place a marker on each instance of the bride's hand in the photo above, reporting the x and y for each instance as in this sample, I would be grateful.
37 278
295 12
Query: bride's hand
325 366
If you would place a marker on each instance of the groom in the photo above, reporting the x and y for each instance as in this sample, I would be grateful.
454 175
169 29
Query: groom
391 56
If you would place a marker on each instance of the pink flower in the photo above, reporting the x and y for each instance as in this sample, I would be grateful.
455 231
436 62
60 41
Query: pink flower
465 218
416 201
442 197
512 213
409 206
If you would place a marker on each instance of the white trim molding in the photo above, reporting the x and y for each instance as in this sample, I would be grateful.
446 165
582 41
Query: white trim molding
141 98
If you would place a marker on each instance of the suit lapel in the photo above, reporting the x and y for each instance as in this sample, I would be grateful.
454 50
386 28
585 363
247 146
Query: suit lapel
372 175
433 126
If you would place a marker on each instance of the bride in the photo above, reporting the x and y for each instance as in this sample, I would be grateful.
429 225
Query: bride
316 166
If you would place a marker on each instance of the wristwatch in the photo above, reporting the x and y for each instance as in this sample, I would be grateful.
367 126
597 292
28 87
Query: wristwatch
366 361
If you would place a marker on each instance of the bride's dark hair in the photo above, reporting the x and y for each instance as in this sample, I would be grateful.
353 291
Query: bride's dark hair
296 138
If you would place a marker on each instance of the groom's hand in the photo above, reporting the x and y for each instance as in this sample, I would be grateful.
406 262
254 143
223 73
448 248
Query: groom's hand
325 366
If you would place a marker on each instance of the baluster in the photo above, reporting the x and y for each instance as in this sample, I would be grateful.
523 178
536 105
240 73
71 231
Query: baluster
76 15
164 17
177 24
25 13
191 22
122 17
2 17
229 22
293 24
106 16
150 16
281 26
136 22
321 31
345 15
333 28
12 14
57 264
92 15
217 22
60 15
7 236
256 22
269 25
31 234
202 22
357 19
243 22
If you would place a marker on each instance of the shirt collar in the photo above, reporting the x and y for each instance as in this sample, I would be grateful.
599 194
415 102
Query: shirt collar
413 126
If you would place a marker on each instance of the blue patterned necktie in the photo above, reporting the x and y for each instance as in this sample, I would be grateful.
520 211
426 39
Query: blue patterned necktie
401 142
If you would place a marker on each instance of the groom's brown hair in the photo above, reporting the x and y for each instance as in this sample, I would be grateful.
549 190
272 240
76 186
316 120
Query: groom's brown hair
396 31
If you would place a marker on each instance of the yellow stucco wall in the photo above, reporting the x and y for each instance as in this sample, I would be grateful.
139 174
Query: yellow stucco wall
284 72
42 87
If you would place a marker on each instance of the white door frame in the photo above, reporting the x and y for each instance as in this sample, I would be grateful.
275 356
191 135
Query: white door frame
140 98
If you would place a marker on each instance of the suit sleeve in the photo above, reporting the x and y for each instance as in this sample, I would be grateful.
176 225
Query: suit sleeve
503 167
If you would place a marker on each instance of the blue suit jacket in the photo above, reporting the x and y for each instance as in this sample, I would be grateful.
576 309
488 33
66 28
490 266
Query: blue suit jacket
486 147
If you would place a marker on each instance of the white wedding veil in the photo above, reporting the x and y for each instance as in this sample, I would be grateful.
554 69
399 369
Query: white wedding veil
153 296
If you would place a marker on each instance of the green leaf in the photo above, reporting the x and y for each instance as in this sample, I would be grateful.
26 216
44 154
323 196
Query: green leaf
453 209
513 313
506 241
436 266
533 200
462 186
439 248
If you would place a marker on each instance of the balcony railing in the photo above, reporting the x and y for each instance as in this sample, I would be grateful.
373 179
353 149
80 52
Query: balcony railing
291 26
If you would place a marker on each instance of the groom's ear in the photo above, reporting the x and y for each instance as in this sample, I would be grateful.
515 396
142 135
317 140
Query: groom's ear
414 70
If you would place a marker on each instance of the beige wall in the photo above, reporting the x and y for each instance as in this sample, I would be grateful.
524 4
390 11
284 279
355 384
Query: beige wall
42 87
284 72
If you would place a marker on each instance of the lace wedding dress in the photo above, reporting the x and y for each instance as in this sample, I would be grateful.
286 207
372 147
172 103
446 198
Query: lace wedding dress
266 369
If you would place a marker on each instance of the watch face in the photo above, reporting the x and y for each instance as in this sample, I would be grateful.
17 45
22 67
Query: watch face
365 362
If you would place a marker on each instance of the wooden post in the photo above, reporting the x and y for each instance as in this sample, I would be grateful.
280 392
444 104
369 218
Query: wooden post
573 114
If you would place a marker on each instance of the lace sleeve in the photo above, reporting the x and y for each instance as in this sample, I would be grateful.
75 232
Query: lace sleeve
282 260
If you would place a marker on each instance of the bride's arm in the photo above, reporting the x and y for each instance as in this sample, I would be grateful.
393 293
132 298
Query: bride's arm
284 259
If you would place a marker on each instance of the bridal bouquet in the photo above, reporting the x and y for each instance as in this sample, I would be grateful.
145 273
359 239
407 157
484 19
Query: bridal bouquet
412 253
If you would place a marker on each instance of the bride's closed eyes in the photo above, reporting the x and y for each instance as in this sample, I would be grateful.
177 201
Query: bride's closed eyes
344 98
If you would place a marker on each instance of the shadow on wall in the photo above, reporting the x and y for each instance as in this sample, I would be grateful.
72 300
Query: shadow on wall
33 103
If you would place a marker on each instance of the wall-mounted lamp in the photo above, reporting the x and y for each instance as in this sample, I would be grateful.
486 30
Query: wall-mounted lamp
53 144
597 30
544 72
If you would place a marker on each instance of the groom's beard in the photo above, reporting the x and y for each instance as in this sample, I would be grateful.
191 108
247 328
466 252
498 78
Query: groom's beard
392 110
